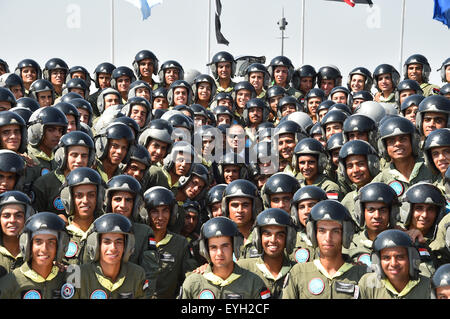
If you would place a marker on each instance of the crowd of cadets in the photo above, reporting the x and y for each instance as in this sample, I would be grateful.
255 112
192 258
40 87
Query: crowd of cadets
267 181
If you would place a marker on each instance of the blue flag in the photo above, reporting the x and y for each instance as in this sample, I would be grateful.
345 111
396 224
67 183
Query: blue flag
145 6
442 11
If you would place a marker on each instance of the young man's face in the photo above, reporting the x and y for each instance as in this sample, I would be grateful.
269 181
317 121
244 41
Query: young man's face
221 251
7 181
307 166
404 94
224 70
424 215
112 247
136 169
43 250
357 169
414 71
117 150
329 238
111 99
306 84
190 221
395 263
410 113
357 82
433 121
123 83
216 209
44 98
441 158
240 210
281 200
122 203
255 115
52 135
304 209
242 96
385 82
160 103
257 80
146 68
77 156
159 217
313 103
12 220
286 145
29 74
231 173
204 91
11 137
171 75
339 97
280 75
180 96
376 216
399 146
157 150
332 128
85 200
194 187
273 240
57 77
104 80
139 114
327 85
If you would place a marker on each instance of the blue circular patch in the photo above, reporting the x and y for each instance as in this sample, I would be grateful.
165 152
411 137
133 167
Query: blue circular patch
72 249
67 291
32 294
302 255
447 207
397 187
365 258
98 294
316 286
206 294
58 204
44 171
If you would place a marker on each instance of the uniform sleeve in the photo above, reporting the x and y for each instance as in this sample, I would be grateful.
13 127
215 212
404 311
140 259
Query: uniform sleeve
290 289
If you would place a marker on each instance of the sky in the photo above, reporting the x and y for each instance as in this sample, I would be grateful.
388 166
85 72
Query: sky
79 31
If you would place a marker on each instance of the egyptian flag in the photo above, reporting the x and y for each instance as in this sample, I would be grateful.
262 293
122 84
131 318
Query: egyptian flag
353 2
219 36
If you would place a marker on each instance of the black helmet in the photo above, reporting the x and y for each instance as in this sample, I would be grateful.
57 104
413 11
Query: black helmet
289 127
414 99
281 61
79 68
329 72
82 176
215 227
5 65
443 68
158 129
391 238
222 56
41 118
69 109
117 131
81 103
121 71
241 188
177 84
104 67
41 85
315 92
386 69
278 183
377 192
288 100
44 221
255 103
258 67
440 278
359 147
17 197
200 171
110 223
394 126
9 80
368 81
433 103
360 123
304 71
203 78
232 158
263 152
333 116
437 138
310 146
76 83
420 59
445 89
125 183
74 138
330 209
157 196
28 103
243 85
275 90
274 217
140 84
170 64
214 195
28 63
304 193
407 84
344 90
423 193
145 54
127 109
53 64
12 118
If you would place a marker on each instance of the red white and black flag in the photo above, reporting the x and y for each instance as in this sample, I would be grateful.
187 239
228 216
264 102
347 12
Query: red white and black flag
353 2
219 36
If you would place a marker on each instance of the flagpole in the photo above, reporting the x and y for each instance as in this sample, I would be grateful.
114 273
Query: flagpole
208 39
112 31
302 38
402 29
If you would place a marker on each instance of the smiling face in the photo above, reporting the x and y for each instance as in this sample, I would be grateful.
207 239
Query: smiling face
357 169
112 247
85 199
12 220
441 158
43 250
424 216
273 240
399 147
10 137
395 264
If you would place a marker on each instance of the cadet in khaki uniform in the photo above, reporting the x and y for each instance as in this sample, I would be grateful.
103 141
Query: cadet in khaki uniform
436 152
223 278
281 70
75 149
123 196
82 196
46 126
376 209
330 227
110 275
274 236
386 79
173 249
309 160
440 283
223 69
396 275
15 209
416 67
303 201
44 234
399 145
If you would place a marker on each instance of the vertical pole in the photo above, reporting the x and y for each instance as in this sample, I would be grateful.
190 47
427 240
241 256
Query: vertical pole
302 34
282 33
112 31
208 39
402 29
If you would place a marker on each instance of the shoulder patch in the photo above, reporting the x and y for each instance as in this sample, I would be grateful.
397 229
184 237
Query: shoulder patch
206 294
302 255
98 294
316 286
67 291
31 294
397 187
